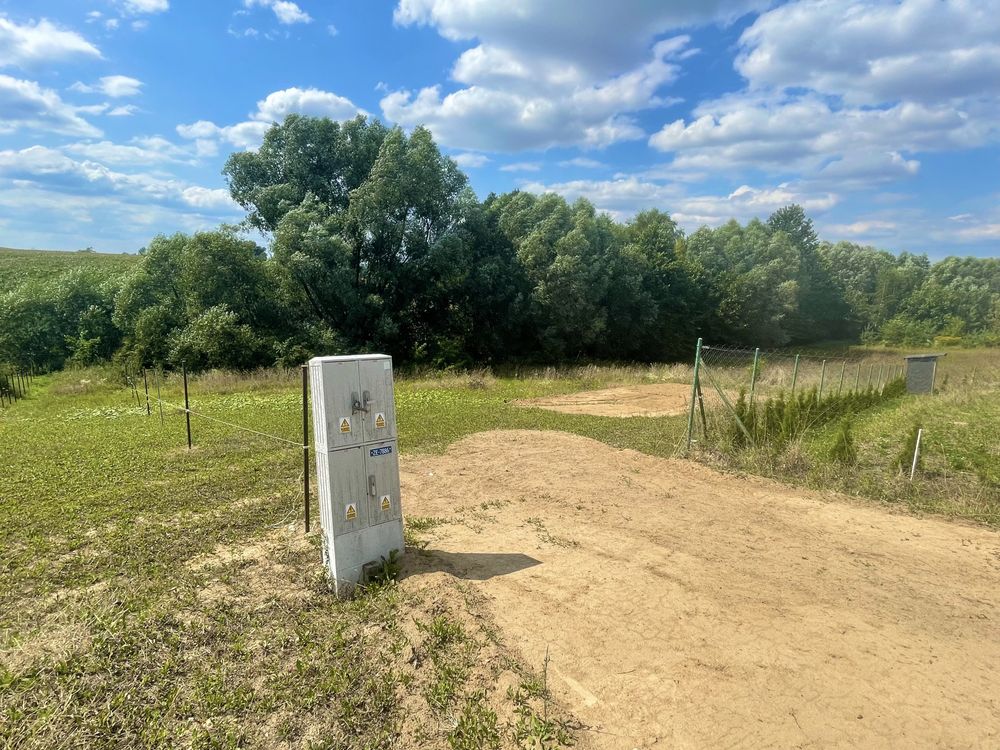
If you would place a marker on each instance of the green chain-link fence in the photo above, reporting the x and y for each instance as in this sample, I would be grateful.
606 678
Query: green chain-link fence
753 395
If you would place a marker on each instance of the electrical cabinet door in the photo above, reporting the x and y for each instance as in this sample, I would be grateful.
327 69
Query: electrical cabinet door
336 416
348 503
379 421
382 463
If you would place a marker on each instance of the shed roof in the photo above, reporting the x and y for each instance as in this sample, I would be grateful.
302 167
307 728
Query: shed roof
925 356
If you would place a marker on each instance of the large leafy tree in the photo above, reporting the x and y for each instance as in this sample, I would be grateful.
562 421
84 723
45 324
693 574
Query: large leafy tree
303 156
658 302
205 299
374 240
397 259
64 319
820 304
755 272
566 253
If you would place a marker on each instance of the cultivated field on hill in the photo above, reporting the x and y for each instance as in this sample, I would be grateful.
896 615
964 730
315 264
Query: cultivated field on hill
157 596
19 266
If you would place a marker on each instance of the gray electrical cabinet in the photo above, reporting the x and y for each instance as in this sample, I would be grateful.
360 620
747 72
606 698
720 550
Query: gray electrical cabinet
357 463
921 371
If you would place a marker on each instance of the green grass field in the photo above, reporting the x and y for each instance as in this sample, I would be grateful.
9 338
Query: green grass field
158 597
19 266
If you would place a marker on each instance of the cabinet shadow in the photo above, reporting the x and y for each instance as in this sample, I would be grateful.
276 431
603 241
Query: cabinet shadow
472 566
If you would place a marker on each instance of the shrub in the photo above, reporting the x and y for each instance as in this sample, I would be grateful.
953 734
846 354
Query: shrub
843 450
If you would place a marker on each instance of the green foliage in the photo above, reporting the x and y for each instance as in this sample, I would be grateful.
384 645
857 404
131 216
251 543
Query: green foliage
779 420
63 319
389 568
477 727
843 450
206 300
376 242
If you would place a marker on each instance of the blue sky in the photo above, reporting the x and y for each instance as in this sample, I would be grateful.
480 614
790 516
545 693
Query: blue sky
881 118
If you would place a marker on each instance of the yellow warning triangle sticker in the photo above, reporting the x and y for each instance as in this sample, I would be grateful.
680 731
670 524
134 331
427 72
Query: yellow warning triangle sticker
351 513
386 505
345 425
380 420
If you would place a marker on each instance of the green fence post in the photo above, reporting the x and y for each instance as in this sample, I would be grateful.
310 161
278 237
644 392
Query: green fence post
694 391
843 369
822 379
795 373
753 375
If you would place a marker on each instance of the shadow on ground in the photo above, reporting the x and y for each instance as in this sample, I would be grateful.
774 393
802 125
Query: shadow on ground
472 566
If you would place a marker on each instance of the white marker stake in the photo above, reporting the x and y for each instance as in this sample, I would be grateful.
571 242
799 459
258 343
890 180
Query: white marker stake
916 454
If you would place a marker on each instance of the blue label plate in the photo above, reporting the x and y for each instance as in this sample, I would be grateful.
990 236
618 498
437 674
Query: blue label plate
383 451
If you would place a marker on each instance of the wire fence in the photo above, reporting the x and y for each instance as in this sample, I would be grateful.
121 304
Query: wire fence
754 395
149 388
15 382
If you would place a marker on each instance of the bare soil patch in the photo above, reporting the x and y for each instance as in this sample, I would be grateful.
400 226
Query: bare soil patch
654 400
681 607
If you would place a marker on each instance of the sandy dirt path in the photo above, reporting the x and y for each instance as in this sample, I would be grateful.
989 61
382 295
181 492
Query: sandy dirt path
652 400
683 608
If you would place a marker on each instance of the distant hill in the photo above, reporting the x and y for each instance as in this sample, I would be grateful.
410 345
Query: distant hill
19 266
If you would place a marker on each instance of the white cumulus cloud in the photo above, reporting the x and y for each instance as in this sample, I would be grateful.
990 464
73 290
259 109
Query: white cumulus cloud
24 105
52 171
40 43
273 108
625 196
278 104
522 166
600 38
872 51
468 159
780 132
850 93
140 151
285 11
114 86
518 118
145 6
582 162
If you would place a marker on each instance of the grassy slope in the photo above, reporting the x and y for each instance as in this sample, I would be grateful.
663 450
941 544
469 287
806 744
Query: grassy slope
961 463
113 630
19 266
960 454
108 624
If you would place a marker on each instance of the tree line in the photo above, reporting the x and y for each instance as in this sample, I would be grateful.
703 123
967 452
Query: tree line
375 241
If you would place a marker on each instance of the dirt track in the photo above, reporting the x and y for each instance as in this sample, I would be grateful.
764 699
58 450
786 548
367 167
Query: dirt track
652 400
687 609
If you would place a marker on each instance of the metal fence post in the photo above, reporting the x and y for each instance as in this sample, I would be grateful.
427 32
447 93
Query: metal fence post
159 400
795 373
879 383
145 385
843 369
187 406
694 391
305 441
822 379
753 375
857 379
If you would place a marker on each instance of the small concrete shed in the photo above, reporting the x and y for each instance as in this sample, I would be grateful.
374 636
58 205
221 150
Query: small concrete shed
921 370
